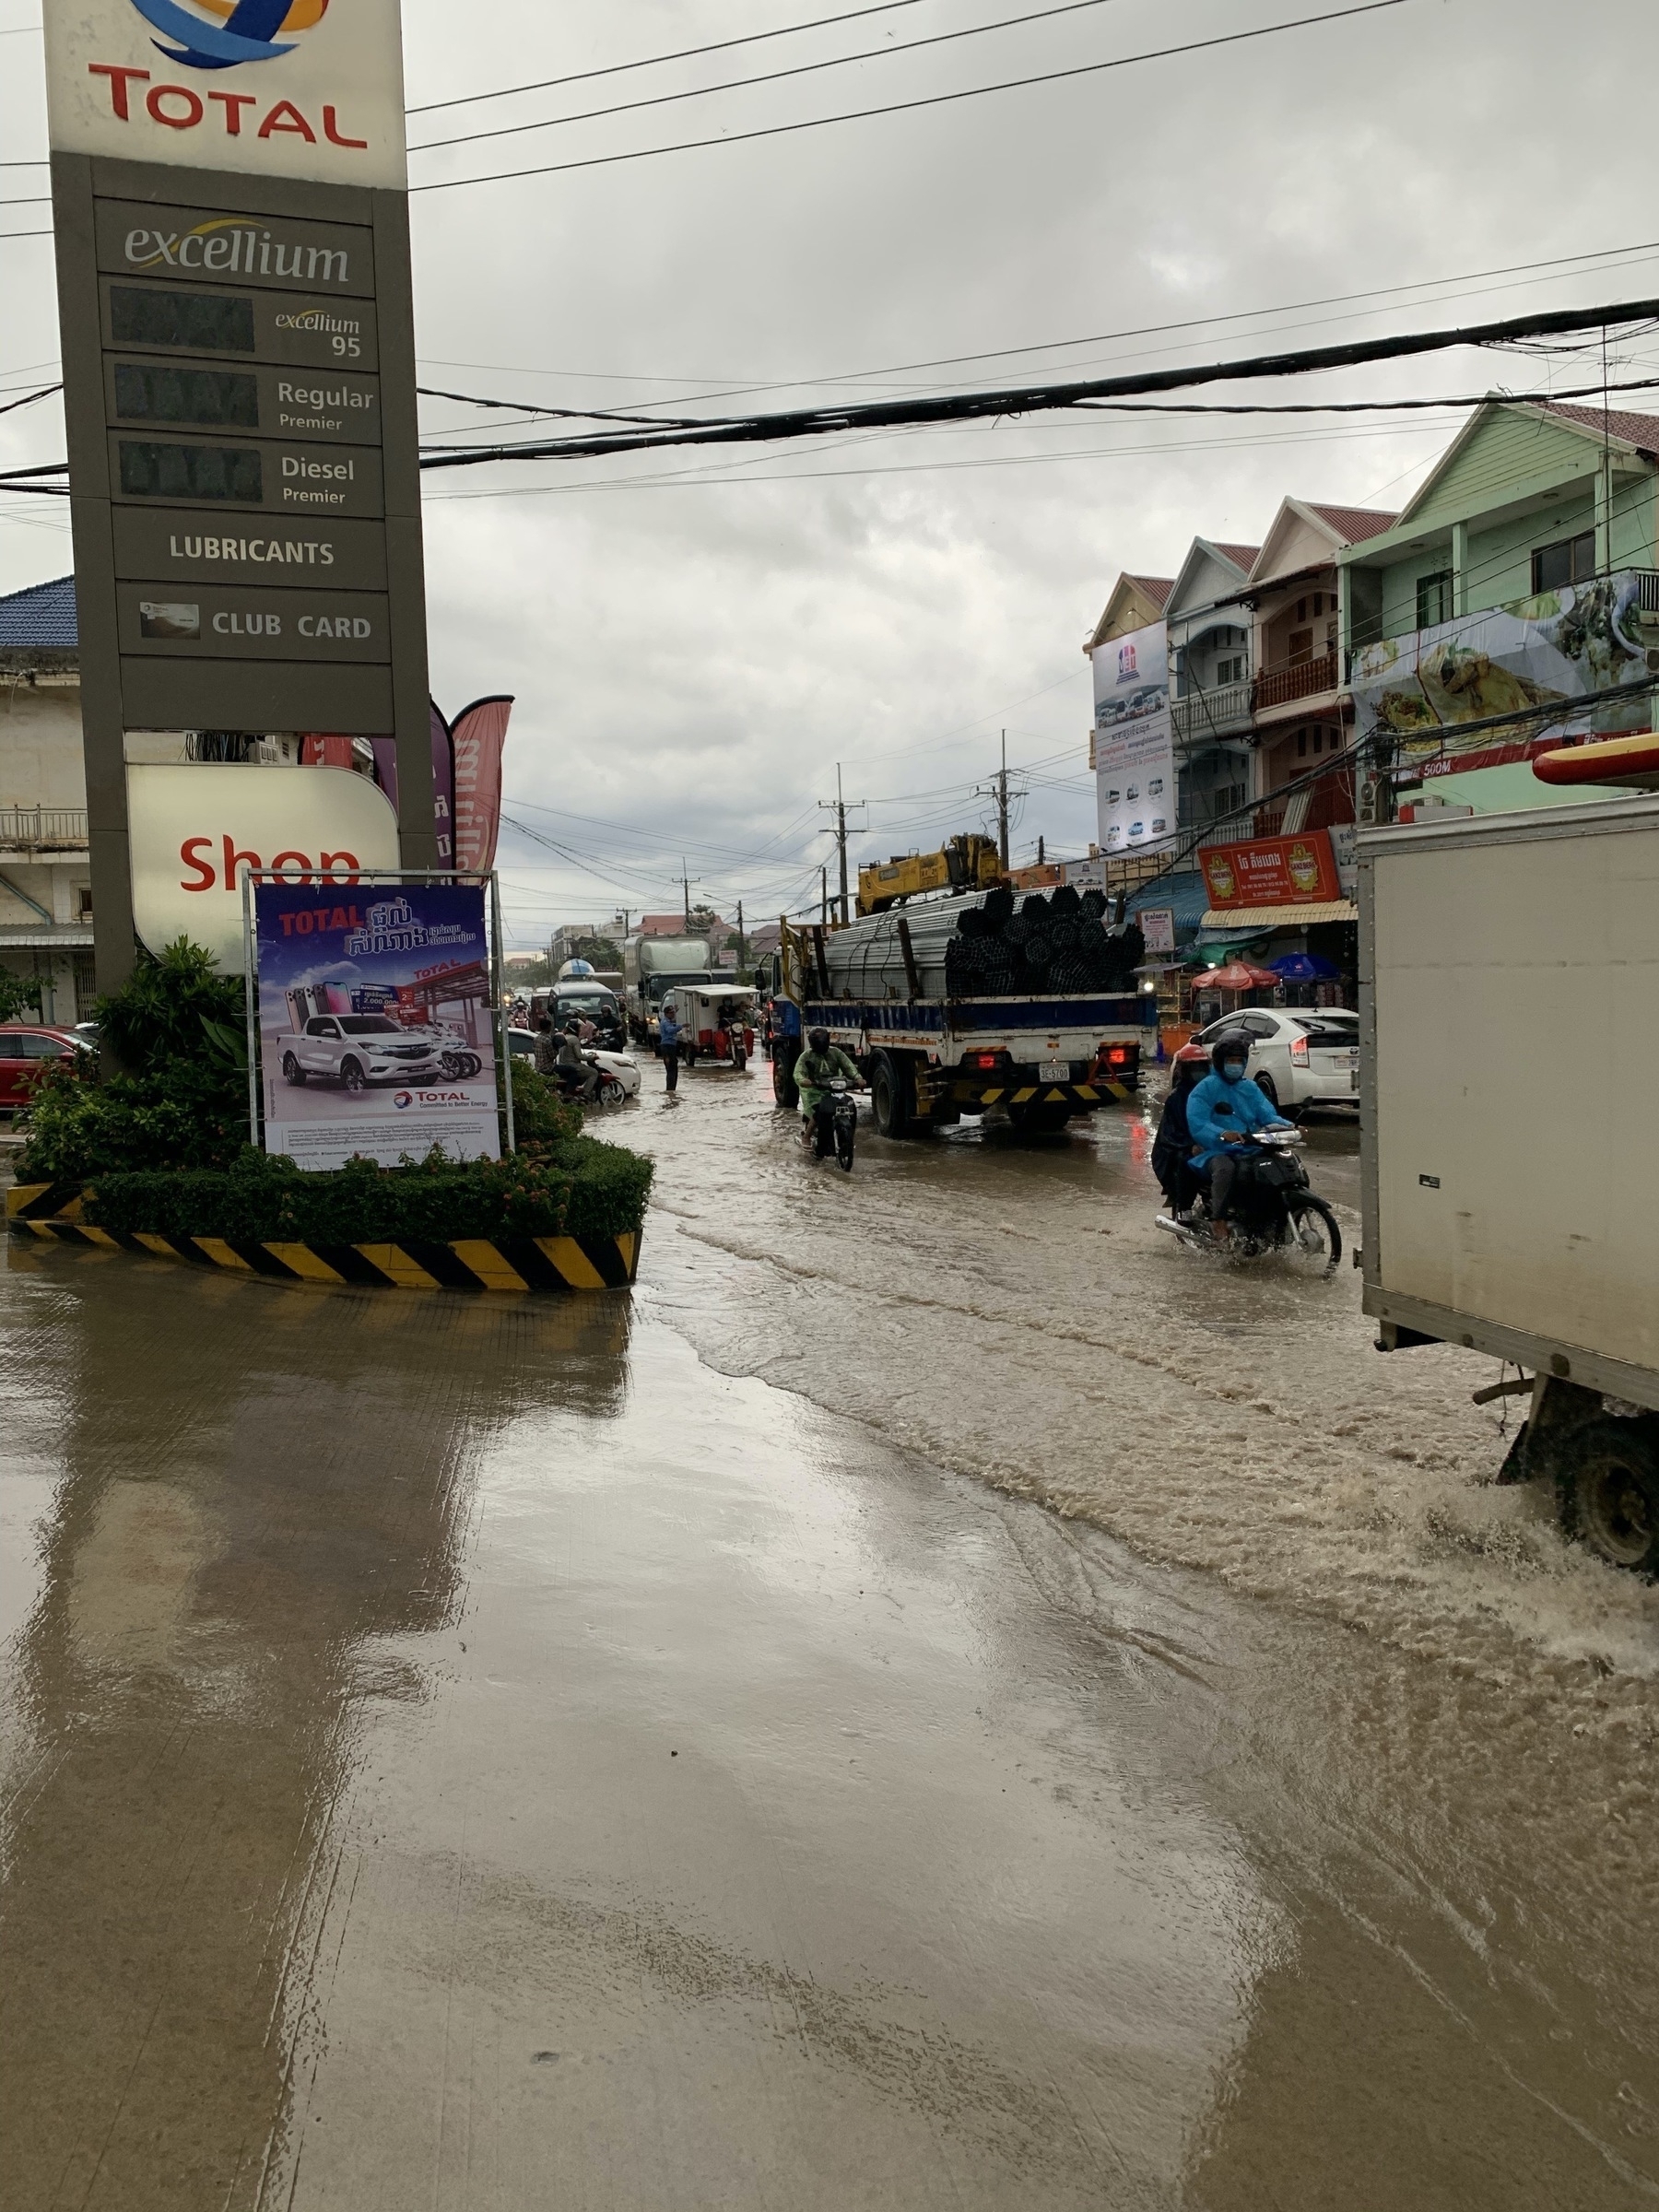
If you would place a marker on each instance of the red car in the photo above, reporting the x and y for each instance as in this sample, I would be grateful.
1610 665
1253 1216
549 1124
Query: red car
21 1053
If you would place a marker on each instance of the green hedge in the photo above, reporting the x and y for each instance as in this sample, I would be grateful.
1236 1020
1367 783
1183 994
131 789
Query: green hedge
164 1145
581 1189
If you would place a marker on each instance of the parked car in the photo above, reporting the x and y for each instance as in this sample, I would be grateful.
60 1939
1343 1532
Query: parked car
618 1072
360 1049
1300 1056
22 1052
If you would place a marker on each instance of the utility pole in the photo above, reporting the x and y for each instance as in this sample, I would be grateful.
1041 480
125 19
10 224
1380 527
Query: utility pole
742 947
838 806
686 885
824 896
998 790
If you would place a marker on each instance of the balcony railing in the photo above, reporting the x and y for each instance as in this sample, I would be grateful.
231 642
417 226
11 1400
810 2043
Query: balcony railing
42 828
1210 713
1279 687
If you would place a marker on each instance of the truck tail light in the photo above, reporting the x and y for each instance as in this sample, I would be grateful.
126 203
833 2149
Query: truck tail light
986 1063
1298 1051
1117 1056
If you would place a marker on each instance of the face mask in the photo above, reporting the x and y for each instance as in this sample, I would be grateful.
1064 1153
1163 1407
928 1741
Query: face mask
1233 1071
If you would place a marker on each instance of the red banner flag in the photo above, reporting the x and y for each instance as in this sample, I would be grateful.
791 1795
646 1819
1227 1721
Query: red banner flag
478 734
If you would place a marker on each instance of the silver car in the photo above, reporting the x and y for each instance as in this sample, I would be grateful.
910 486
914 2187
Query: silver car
360 1049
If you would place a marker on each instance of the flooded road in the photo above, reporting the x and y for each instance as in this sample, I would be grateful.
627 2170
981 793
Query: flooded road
489 1754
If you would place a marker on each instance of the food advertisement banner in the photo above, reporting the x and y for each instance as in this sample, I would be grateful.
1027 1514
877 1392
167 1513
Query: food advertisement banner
1272 871
1530 655
1134 749
374 1022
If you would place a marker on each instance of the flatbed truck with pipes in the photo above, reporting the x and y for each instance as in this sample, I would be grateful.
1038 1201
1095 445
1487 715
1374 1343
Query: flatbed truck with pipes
1509 978
934 1048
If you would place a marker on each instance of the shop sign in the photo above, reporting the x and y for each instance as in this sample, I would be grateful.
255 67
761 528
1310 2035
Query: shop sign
1158 927
1272 871
374 1021
196 829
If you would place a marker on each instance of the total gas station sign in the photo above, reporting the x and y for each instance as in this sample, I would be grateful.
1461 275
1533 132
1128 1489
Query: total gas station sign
269 88
230 205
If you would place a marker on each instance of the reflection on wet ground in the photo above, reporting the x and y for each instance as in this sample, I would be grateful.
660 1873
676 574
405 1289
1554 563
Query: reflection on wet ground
472 1753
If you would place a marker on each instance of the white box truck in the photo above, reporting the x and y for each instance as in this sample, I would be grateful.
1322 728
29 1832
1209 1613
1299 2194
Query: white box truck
1510 1168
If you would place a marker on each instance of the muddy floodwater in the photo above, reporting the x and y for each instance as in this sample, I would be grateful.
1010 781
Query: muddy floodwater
943 1700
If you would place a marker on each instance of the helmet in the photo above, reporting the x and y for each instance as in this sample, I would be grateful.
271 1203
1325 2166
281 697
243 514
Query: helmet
1232 1044
819 1040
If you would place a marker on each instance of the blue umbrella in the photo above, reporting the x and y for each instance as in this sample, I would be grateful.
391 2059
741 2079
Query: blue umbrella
1305 967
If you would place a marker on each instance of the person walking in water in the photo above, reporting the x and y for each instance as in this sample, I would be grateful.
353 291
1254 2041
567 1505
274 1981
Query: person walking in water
669 1043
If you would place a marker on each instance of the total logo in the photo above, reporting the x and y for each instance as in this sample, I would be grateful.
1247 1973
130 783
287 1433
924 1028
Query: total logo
430 1098
220 34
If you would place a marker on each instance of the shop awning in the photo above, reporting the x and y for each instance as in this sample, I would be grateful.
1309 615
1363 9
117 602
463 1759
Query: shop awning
1235 922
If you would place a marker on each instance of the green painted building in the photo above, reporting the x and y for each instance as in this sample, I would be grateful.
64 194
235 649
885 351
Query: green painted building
1529 496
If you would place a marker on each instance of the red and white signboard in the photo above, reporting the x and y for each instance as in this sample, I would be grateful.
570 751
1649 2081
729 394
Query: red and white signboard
1272 871
312 90
196 831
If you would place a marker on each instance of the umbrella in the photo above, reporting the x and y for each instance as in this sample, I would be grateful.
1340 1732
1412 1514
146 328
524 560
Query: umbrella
1305 967
1238 975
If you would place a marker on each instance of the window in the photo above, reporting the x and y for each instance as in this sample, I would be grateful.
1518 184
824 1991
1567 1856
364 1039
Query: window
11 1045
44 1048
1302 647
1230 672
1569 560
1434 599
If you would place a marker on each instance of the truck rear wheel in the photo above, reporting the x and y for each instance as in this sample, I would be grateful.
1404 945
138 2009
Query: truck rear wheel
1608 1492
1032 1120
891 1097
784 1055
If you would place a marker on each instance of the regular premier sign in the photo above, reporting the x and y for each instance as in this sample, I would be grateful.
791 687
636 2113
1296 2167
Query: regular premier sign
228 183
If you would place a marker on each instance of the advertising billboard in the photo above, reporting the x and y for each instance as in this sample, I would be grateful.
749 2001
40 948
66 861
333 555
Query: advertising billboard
1530 654
374 1021
1134 748
1272 871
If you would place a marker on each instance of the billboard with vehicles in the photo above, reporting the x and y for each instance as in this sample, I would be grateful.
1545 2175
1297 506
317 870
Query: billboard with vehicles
375 1035
1134 745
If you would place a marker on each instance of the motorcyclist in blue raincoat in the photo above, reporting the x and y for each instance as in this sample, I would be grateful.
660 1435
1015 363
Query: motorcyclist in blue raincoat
1223 1110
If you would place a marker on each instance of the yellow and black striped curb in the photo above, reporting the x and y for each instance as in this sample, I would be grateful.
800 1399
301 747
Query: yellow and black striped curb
53 1211
1057 1094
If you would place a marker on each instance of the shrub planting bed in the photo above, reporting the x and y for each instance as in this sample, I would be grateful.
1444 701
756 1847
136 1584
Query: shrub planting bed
162 1150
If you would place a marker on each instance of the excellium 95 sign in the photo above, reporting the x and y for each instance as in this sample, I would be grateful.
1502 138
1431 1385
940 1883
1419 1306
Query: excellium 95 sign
228 183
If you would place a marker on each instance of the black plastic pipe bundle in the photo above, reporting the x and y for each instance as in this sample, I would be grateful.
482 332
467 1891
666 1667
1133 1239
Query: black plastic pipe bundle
1056 942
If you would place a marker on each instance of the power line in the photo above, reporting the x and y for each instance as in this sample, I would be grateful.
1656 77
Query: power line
1031 399
769 76
686 54
901 107
1248 314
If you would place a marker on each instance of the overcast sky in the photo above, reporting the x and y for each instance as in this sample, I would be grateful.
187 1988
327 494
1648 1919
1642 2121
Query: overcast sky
695 640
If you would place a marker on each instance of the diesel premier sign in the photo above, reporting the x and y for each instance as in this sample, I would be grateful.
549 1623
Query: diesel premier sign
229 197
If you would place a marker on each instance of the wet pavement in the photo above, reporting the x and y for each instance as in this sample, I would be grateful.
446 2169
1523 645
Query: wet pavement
487 1753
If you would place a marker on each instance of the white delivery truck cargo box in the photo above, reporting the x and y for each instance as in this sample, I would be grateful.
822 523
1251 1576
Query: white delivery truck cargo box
1510 1088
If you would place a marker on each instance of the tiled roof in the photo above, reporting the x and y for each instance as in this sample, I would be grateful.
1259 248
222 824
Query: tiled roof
40 616
1241 557
1354 525
1156 588
1636 429
670 925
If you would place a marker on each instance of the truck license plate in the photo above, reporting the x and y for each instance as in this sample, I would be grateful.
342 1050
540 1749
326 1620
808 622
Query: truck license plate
1053 1071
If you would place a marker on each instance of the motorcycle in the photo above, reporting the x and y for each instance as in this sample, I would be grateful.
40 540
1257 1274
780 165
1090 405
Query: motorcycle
1272 1210
834 1126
